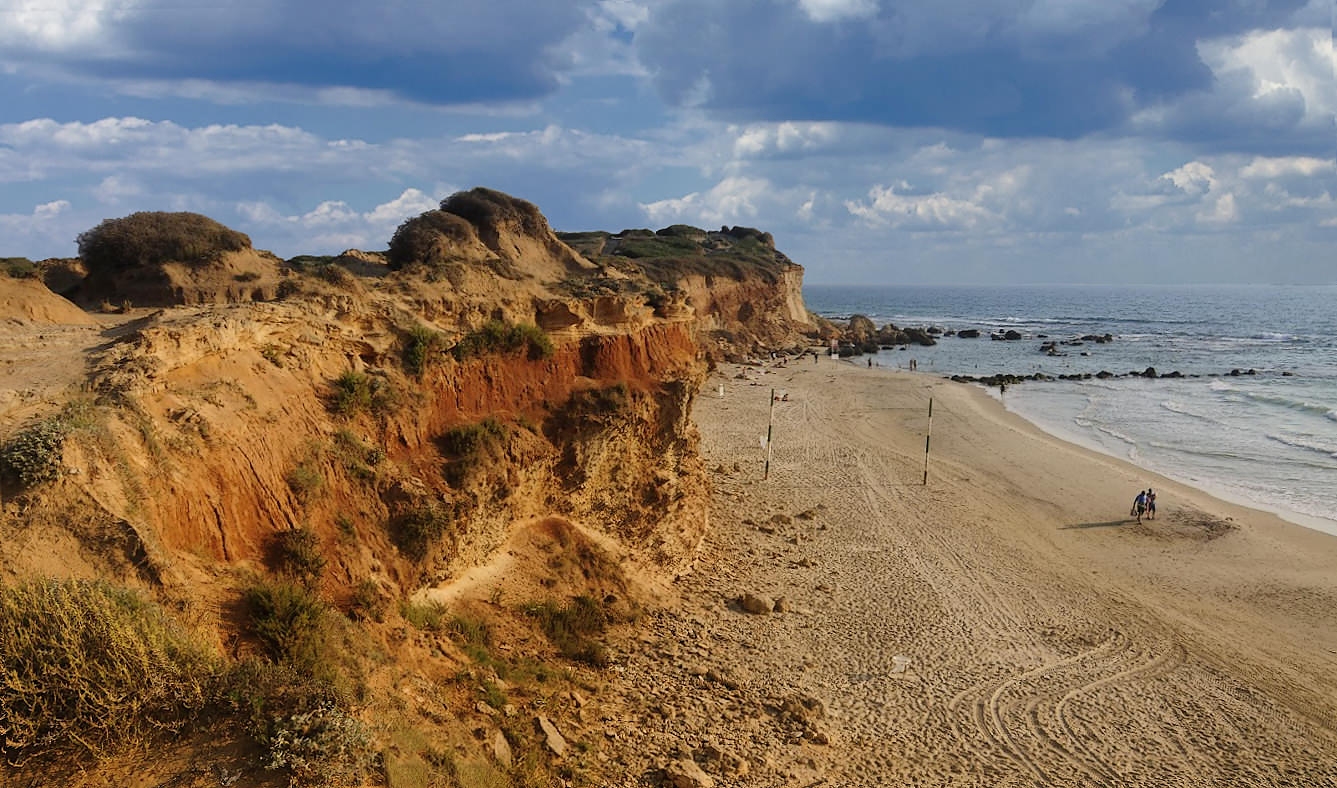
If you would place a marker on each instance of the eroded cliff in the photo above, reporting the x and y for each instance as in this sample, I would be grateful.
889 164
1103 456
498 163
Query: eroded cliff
377 431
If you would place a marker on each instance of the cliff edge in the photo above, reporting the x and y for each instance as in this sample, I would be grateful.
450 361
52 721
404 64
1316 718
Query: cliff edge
369 473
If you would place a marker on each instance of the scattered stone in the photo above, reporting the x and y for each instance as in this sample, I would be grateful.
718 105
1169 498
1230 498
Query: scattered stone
501 749
807 514
483 708
551 736
685 773
757 605
782 519
781 605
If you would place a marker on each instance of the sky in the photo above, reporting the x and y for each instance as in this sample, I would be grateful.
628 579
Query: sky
880 141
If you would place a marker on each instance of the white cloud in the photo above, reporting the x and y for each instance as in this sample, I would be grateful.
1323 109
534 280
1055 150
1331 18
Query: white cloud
838 10
1287 166
887 207
730 201
1193 178
1279 61
1223 211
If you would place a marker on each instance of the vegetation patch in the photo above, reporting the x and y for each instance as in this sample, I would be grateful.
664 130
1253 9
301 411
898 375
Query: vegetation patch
33 455
496 337
574 628
427 616
418 529
297 552
18 267
156 237
87 667
367 602
305 480
289 622
322 746
422 346
467 445
357 392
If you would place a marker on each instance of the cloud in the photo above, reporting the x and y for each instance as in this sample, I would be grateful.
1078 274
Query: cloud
836 10
461 52
1272 91
1005 68
731 201
334 225
42 228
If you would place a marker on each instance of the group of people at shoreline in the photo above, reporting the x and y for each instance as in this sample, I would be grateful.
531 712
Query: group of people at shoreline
1144 504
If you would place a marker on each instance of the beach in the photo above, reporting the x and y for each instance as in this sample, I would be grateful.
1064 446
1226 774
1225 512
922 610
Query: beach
1006 623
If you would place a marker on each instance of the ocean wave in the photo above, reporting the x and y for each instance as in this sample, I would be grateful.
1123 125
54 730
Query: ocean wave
1182 410
1303 406
1304 442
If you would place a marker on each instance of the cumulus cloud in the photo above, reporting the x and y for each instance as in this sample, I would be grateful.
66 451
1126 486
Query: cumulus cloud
731 201
1272 90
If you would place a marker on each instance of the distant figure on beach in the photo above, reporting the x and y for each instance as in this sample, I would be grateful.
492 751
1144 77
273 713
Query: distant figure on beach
1151 504
1139 505
870 363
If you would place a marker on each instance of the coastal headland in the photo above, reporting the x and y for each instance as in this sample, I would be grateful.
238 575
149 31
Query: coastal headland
489 508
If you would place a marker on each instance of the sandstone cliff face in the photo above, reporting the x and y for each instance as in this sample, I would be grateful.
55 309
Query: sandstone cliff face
219 423
502 405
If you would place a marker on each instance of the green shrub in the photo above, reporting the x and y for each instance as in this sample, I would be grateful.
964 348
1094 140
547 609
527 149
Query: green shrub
305 480
426 239
427 616
18 267
155 237
467 440
420 346
416 530
498 337
88 666
297 552
324 746
355 392
289 622
466 444
33 455
573 628
367 603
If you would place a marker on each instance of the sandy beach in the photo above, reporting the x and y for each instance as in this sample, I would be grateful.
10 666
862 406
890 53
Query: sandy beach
1045 637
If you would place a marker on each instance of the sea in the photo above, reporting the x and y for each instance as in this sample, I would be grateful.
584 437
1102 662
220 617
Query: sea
1265 437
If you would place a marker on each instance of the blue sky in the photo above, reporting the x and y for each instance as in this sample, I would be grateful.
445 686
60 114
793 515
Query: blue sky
881 141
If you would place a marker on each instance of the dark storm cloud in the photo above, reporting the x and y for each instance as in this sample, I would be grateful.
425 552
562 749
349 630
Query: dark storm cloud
439 53
1007 68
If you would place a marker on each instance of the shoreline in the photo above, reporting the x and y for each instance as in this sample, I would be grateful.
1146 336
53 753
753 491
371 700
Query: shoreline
1044 636
1223 493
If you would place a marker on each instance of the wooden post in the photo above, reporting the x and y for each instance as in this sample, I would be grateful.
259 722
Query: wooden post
927 436
770 420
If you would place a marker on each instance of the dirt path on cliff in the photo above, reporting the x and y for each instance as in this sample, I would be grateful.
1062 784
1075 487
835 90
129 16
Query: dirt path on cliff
1046 641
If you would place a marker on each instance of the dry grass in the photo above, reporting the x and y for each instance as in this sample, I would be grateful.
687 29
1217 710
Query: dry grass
89 667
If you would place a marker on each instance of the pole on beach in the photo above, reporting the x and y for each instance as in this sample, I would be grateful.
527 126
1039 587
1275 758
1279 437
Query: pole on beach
770 420
927 436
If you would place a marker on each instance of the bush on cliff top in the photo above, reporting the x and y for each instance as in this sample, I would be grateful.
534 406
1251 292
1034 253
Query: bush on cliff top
157 237
88 666
498 337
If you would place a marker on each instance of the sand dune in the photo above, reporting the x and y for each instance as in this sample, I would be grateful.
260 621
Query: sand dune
1051 640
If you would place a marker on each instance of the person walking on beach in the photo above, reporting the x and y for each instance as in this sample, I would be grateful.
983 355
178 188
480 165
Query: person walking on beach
1139 505
1151 504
